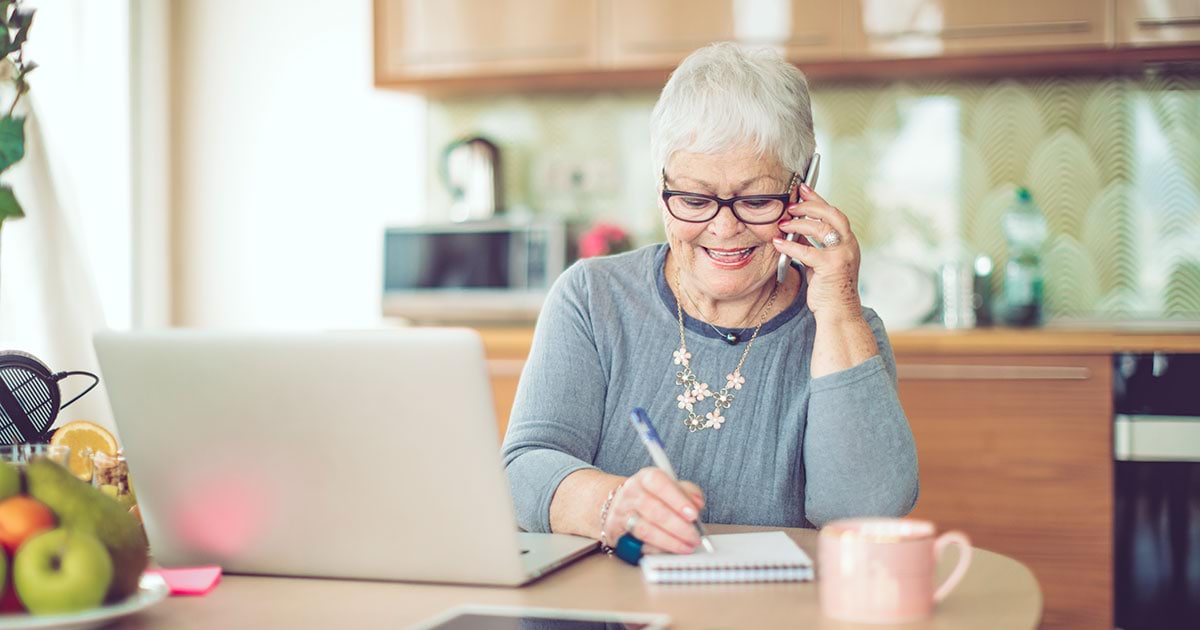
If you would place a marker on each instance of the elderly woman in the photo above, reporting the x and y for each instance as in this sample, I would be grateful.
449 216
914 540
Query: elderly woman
775 400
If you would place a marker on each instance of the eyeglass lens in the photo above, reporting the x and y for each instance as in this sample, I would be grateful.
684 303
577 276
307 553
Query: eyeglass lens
690 208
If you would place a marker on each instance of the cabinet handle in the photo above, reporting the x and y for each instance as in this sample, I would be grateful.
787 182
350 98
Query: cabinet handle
992 30
800 39
505 367
1153 23
933 372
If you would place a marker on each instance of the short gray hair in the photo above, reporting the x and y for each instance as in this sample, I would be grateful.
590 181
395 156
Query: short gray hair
724 96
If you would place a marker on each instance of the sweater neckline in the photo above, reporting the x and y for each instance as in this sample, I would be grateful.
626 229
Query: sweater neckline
701 327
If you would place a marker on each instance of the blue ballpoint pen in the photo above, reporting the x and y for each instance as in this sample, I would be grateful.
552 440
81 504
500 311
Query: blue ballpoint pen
645 430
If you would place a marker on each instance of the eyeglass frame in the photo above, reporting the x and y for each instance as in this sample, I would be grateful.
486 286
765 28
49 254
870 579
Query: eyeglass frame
723 202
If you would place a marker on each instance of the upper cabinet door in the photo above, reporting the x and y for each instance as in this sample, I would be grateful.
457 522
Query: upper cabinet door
453 38
929 28
1158 22
660 33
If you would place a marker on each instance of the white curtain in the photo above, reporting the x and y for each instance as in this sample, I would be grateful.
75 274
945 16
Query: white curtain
49 306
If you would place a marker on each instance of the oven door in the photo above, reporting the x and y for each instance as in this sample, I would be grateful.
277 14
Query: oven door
1157 526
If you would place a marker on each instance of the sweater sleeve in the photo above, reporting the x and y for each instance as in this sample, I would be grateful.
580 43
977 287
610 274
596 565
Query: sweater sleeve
859 454
555 426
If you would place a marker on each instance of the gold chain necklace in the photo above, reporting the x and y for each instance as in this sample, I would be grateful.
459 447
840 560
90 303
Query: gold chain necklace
695 391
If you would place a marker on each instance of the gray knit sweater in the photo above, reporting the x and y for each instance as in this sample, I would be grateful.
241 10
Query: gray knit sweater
795 451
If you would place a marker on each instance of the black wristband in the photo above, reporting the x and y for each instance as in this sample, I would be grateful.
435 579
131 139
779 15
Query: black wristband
629 549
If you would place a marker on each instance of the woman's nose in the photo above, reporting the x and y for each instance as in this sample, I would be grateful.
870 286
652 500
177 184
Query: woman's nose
726 222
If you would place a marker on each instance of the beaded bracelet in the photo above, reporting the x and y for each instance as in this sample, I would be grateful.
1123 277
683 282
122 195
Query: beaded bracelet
604 518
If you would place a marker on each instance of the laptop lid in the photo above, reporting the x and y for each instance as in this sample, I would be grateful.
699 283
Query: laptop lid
358 455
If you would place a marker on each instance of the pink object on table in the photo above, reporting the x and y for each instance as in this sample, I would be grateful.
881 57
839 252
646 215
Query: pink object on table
190 580
881 570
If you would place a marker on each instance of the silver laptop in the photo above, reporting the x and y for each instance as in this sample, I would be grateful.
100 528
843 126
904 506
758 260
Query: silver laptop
368 455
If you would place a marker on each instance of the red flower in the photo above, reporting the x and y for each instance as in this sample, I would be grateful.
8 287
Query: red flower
603 239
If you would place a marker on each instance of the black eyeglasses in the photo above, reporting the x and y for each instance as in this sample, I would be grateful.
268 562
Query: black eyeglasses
750 209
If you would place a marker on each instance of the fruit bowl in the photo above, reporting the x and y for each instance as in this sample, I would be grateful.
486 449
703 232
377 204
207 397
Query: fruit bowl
151 590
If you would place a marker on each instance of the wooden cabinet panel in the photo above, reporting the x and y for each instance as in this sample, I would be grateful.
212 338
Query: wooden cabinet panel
505 374
1158 22
660 33
1017 452
506 349
445 38
929 28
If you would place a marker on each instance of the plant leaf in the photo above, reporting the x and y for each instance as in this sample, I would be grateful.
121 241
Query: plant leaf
23 20
12 141
9 208
19 18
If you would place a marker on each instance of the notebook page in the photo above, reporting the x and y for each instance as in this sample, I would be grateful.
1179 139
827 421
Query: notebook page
758 550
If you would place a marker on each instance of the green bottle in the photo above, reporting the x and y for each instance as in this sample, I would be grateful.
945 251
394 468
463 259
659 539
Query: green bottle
1025 230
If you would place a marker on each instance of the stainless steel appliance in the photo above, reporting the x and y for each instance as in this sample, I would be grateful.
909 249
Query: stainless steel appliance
477 271
1157 520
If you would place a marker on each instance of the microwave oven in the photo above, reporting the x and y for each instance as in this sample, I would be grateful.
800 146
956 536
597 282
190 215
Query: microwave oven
475 271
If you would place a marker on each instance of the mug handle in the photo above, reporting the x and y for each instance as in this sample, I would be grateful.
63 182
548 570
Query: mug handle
963 543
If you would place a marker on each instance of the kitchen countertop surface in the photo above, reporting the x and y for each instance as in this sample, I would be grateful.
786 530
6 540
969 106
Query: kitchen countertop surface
513 341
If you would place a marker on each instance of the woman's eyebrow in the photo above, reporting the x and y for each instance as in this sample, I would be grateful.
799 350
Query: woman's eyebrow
740 185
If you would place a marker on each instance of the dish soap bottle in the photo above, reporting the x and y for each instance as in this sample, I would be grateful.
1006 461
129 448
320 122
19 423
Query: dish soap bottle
1025 230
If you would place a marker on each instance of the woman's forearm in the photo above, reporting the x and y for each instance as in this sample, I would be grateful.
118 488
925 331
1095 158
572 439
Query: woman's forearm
841 342
575 507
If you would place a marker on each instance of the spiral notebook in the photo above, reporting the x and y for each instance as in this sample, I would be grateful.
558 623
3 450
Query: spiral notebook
755 557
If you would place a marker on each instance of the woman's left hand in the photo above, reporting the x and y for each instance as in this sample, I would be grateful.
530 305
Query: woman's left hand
832 272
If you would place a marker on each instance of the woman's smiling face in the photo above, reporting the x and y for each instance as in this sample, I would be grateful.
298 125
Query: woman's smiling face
724 259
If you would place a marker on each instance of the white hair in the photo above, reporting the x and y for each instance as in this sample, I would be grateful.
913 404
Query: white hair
724 96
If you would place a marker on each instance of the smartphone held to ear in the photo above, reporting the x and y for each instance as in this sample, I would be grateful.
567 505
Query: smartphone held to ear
810 178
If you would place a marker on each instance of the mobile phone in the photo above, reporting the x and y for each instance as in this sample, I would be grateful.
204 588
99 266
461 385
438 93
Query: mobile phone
810 178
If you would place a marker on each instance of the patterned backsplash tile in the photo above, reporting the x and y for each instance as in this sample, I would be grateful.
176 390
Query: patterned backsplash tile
924 169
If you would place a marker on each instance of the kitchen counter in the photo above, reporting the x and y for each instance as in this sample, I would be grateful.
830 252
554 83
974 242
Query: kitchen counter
1041 341
514 341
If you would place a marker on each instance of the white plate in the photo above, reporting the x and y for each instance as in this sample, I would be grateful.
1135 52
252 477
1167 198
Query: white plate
900 293
151 590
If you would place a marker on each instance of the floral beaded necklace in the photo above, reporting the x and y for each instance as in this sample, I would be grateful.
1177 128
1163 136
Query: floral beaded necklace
695 391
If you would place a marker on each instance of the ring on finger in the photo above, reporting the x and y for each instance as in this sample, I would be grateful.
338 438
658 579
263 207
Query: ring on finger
632 522
831 239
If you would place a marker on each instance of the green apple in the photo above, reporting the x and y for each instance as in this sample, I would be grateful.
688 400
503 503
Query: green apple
80 507
10 480
62 571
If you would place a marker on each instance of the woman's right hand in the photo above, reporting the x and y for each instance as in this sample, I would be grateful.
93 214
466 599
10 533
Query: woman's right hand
660 511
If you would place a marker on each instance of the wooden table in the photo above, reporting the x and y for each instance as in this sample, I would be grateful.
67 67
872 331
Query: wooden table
997 592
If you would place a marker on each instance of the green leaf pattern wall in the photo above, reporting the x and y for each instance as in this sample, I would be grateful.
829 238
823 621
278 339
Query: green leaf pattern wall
924 169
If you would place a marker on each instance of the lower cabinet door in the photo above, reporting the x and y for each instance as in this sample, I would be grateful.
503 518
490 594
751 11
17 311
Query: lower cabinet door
1017 453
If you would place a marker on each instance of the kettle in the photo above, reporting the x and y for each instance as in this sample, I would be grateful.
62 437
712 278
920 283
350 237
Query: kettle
470 170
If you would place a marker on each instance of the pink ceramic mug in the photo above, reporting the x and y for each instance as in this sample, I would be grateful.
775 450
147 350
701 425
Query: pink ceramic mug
881 570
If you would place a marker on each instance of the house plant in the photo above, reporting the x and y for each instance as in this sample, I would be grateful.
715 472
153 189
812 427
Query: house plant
14 29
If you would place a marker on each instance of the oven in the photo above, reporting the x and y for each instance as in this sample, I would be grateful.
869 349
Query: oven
1157 504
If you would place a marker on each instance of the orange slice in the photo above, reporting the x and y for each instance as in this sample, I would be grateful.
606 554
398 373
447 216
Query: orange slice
85 439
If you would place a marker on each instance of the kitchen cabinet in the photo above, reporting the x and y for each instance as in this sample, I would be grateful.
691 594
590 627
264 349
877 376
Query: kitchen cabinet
417 39
506 349
931 28
1158 22
473 46
660 33
1017 452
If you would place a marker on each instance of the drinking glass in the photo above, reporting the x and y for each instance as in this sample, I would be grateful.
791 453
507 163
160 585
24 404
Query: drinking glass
21 454
110 474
